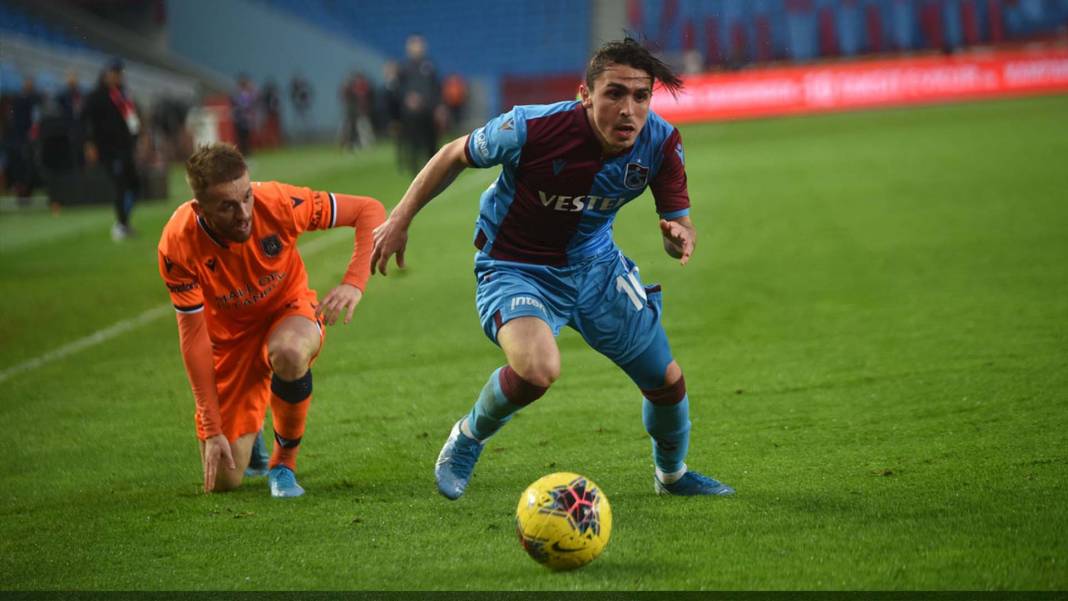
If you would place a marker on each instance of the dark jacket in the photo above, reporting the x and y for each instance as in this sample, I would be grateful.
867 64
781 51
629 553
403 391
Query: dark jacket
105 126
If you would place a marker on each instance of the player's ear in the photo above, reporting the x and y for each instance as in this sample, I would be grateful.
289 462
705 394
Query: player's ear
585 95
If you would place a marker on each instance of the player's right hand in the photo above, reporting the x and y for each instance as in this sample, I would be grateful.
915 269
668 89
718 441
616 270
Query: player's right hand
216 449
390 238
679 237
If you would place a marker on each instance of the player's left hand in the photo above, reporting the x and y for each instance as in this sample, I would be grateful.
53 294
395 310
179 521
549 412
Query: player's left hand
216 452
679 239
343 298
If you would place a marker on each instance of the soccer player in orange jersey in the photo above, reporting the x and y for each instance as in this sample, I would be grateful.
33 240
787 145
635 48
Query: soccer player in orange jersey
249 327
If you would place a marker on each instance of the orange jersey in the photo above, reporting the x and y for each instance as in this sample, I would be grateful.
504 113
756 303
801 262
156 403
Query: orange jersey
242 284
230 296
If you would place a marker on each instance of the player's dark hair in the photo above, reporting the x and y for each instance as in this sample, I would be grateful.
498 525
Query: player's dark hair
213 164
630 52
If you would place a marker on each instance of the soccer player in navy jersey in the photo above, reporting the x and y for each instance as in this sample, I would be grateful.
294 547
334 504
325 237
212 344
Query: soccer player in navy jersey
546 257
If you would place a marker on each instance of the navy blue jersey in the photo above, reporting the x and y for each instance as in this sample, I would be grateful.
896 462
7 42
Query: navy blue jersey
558 193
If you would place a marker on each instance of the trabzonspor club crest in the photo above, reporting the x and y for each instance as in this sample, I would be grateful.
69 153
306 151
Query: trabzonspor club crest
636 176
271 245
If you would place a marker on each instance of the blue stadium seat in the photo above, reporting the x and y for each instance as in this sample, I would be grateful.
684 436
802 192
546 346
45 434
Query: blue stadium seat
15 21
10 78
48 82
552 36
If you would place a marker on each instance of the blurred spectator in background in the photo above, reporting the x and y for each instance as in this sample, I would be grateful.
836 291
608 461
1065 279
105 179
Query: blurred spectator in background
388 108
111 127
693 62
421 109
454 94
70 100
243 105
387 100
59 152
168 118
5 128
271 104
21 164
301 95
358 101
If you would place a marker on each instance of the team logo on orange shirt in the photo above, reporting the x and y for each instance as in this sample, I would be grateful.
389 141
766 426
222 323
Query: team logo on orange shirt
271 245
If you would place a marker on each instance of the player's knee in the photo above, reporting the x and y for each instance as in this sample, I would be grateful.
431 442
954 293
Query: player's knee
520 390
541 371
669 394
546 372
672 373
545 379
289 361
227 480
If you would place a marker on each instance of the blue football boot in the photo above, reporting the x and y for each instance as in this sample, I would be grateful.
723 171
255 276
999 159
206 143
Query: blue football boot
692 484
257 461
456 462
283 482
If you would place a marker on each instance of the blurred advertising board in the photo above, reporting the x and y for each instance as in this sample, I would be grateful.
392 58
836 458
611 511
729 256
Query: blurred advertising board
868 84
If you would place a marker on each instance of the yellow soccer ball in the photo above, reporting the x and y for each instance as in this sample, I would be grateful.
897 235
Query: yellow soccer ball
563 520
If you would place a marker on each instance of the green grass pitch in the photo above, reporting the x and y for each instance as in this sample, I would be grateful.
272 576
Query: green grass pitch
874 332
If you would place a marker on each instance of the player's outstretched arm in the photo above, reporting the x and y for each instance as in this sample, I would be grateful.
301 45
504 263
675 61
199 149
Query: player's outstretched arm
196 354
364 214
680 238
391 238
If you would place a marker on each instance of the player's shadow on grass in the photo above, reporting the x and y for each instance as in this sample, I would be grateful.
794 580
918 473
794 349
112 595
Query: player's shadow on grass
869 380
845 504
367 487
624 573
328 485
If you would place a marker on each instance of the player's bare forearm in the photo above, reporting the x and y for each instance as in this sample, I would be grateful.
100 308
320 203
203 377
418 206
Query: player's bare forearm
439 172
680 238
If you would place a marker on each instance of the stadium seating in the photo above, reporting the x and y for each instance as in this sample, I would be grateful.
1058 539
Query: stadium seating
552 36
14 21
734 32
21 31
528 37
47 51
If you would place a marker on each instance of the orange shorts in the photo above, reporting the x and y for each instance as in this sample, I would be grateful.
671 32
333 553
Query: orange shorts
243 371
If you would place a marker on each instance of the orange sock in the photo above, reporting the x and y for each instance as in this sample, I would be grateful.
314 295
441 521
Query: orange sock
289 406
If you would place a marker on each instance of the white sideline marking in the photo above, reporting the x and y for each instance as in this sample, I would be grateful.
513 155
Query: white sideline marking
121 327
93 339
